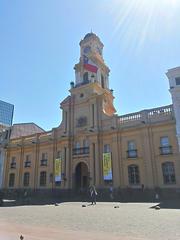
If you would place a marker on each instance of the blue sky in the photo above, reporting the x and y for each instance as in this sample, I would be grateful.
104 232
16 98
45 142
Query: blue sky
39 46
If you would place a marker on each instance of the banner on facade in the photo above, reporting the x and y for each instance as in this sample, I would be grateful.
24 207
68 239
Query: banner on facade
107 166
58 169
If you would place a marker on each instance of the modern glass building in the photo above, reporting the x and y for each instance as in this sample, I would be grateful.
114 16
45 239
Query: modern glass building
6 113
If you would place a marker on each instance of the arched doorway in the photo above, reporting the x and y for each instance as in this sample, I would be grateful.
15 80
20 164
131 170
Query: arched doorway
81 176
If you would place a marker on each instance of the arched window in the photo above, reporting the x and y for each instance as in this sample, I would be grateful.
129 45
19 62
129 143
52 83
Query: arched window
26 179
85 77
102 81
168 173
42 178
133 174
11 179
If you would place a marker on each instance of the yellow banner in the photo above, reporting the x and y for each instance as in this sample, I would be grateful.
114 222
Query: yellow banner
107 166
57 169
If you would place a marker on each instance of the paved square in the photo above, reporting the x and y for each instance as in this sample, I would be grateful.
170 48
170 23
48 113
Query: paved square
70 221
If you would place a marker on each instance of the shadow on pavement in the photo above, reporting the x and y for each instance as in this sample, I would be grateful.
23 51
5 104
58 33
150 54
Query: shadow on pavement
167 205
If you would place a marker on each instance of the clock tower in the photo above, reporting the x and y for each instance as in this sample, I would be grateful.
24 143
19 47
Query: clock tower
91 66
86 112
91 100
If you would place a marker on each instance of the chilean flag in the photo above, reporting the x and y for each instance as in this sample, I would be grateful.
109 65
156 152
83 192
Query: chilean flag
88 66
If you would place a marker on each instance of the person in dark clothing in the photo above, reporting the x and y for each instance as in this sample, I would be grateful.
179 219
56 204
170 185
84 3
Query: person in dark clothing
93 194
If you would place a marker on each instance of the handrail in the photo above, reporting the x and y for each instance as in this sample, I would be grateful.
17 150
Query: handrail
148 115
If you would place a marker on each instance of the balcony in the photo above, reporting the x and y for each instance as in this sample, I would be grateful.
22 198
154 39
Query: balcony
147 116
166 150
81 151
13 165
82 83
132 153
27 164
44 162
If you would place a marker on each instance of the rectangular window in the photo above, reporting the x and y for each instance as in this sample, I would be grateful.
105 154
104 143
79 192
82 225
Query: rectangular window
131 145
44 159
177 81
164 141
168 173
42 178
132 151
107 148
13 162
58 154
165 147
44 156
133 174
11 180
27 158
26 179
27 162
44 162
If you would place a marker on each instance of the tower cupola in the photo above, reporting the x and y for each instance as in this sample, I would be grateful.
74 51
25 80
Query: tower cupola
91 66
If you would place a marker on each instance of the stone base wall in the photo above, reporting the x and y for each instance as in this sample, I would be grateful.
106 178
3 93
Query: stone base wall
43 196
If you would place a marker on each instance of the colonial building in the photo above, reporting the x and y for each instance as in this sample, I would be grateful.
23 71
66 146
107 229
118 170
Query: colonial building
93 145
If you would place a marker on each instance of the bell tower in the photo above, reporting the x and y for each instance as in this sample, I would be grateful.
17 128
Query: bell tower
90 100
91 66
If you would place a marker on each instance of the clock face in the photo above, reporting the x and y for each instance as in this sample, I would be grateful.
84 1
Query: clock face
87 49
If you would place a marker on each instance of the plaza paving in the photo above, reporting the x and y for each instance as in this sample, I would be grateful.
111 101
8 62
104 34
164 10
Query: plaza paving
70 221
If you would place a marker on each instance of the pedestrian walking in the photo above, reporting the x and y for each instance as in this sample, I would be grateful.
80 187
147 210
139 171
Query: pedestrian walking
93 194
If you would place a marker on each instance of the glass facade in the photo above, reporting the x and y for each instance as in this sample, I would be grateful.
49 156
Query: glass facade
6 113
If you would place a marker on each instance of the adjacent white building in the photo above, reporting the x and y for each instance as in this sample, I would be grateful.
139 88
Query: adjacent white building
174 83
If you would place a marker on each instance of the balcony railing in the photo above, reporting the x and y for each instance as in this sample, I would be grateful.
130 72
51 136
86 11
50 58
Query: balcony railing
82 83
13 165
132 153
166 150
148 116
27 164
80 151
44 162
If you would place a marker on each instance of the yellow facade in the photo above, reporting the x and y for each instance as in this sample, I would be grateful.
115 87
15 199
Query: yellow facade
139 143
